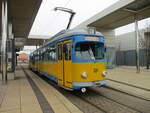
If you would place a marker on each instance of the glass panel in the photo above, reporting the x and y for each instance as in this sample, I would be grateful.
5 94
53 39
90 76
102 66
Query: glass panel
89 51
51 53
59 52
67 51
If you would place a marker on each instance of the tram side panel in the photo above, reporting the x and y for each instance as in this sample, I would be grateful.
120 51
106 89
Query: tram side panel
51 70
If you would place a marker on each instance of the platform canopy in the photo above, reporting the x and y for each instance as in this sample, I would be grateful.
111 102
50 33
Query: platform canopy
21 13
36 40
119 14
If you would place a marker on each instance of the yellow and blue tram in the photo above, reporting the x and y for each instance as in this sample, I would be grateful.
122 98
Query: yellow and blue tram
74 59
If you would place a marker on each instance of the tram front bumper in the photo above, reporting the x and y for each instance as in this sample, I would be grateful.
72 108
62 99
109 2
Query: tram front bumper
78 85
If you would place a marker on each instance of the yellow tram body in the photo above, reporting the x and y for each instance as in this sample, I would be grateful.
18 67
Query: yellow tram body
67 71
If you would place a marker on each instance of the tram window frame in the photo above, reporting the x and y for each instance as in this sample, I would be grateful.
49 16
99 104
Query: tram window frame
59 53
51 53
46 54
36 56
67 52
93 47
33 61
40 56
43 54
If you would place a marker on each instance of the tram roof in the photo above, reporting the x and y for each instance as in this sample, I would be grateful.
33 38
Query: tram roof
67 33
71 32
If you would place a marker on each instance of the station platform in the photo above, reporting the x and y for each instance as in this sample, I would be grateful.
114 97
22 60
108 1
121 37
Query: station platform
26 92
126 79
30 94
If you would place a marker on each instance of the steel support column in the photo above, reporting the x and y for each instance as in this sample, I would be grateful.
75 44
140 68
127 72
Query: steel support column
4 41
13 55
12 48
137 45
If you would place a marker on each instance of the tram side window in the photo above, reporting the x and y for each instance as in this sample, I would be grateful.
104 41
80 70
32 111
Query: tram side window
43 54
46 54
67 51
59 52
51 53
33 57
37 56
40 56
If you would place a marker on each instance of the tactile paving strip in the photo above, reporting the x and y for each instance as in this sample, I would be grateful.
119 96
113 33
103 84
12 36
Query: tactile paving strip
45 106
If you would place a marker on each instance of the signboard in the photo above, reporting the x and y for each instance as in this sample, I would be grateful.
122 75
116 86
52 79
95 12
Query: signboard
91 38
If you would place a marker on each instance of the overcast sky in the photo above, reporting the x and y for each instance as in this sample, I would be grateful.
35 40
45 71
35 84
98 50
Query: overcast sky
49 22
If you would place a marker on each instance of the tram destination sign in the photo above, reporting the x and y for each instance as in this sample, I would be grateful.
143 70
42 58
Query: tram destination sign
91 38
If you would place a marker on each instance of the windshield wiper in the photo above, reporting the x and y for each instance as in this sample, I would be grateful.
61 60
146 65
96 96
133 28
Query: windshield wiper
91 53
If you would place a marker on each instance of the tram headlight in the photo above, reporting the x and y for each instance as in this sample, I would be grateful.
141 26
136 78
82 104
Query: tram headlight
104 73
84 75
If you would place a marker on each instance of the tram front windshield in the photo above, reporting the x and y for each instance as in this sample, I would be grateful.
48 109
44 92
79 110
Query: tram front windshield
89 51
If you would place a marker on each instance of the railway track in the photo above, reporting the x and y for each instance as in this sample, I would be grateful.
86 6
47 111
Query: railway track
129 100
114 101
127 93
129 85
94 101
109 106
92 104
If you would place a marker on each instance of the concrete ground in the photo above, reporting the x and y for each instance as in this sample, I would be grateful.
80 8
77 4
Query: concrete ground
128 78
19 96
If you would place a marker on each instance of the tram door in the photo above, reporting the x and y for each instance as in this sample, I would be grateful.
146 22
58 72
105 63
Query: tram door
38 60
65 64
60 64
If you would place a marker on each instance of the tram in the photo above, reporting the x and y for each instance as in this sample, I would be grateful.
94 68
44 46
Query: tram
74 59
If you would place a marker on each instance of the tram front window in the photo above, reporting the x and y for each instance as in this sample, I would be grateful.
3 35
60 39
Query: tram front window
89 51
